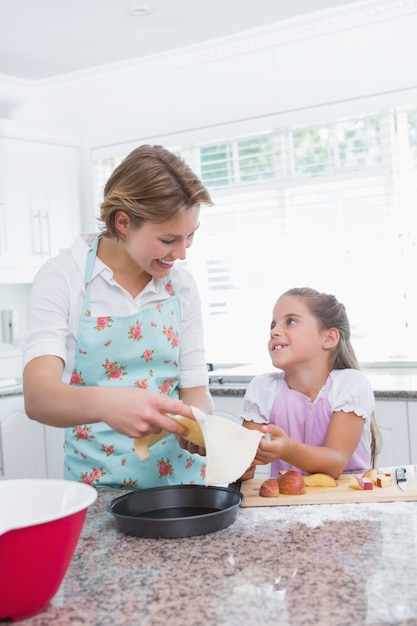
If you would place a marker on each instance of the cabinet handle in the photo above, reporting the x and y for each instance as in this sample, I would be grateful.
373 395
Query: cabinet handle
37 236
2 231
45 235
42 235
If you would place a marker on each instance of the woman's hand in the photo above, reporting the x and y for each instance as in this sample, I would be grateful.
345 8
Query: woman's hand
200 398
138 412
130 411
191 447
249 473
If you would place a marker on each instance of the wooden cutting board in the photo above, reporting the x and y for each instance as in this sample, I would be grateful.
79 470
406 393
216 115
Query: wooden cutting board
341 494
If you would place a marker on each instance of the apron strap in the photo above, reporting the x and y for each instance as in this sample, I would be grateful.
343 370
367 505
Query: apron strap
89 266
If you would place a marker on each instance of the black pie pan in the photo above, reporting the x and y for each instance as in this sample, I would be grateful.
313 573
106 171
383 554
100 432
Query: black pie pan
176 511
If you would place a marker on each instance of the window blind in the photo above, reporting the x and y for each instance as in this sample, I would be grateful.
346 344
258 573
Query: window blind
330 206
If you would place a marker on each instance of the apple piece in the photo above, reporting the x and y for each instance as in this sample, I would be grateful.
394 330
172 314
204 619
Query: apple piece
291 483
269 488
383 480
356 482
371 475
319 480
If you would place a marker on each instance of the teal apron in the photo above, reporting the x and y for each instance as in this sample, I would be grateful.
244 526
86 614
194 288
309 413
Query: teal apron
139 350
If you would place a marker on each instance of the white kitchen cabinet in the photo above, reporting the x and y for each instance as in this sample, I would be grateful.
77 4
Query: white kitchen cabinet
392 417
22 442
39 209
54 446
228 406
412 426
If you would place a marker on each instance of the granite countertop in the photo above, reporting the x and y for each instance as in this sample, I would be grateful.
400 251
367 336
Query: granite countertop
310 565
395 383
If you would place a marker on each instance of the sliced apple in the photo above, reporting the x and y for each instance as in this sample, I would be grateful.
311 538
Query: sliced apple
291 483
371 474
383 480
269 488
319 480
358 482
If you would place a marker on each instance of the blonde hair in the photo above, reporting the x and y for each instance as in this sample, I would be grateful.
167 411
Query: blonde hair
330 313
151 185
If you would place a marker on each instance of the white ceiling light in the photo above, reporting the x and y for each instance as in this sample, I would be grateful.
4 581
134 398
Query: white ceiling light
139 10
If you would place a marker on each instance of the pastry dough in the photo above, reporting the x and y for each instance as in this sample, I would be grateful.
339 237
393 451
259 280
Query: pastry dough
230 448
194 435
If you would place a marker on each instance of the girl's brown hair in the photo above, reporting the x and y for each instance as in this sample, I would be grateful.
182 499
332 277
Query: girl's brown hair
151 185
330 313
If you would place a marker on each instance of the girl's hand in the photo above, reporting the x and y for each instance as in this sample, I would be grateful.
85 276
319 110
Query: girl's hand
274 447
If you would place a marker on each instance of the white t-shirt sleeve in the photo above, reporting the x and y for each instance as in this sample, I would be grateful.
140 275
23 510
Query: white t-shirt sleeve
352 392
260 396
193 368
48 312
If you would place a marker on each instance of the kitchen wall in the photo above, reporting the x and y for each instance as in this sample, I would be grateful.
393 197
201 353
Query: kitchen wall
334 62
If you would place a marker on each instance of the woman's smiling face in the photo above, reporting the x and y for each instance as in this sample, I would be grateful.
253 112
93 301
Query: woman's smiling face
156 247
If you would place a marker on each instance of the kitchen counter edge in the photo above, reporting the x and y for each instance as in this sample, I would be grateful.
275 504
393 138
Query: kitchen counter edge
239 390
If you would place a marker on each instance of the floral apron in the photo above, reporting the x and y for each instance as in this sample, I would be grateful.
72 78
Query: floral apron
139 350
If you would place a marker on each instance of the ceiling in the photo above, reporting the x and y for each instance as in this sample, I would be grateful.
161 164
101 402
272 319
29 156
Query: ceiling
40 39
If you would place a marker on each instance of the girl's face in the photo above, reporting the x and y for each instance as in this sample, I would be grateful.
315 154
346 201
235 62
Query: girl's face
295 336
156 247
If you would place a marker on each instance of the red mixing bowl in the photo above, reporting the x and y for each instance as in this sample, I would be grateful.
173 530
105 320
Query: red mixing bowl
40 524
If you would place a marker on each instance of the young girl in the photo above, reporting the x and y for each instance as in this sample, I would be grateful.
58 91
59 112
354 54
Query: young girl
317 412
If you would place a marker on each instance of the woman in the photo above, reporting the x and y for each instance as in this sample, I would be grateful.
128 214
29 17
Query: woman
114 339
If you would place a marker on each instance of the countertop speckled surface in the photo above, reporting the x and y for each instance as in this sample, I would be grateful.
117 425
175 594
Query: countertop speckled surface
396 383
315 565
